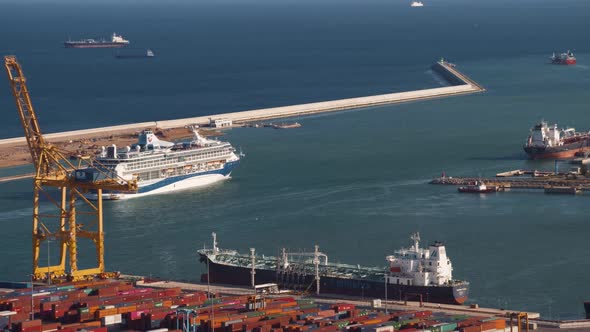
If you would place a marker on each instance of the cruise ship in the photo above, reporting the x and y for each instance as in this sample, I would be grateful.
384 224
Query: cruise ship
410 274
160 166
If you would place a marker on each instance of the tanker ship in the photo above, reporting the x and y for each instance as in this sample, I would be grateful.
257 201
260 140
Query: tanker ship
116 41
566 58
411 274
550 142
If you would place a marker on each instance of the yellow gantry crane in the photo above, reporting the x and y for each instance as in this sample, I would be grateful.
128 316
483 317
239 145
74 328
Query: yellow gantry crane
67 222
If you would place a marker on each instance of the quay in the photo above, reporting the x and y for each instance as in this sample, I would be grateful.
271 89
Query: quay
460 84
330 298
519 183
535 319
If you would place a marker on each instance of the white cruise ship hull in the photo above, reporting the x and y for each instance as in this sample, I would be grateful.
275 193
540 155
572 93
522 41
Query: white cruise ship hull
172 184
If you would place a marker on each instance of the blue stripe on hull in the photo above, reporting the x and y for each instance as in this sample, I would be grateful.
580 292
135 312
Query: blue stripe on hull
226 170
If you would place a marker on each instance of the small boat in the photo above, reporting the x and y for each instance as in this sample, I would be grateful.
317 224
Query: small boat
416 4
287 125
148 54
477 188
566 58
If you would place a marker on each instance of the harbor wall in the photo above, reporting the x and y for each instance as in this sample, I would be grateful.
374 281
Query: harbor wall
445 73
465 86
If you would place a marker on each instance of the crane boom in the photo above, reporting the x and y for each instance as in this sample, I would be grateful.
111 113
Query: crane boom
26 112
54 170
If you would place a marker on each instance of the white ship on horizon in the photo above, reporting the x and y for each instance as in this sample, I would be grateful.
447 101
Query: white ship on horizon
416 4
160 166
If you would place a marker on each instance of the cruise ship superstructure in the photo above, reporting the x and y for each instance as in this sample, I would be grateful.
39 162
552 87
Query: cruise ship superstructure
160 166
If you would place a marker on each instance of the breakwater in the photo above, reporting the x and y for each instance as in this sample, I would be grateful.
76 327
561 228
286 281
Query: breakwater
460 85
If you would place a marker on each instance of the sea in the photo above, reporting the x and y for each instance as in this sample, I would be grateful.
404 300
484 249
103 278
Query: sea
354 182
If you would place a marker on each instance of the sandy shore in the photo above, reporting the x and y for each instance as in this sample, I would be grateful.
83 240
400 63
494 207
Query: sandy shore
17 154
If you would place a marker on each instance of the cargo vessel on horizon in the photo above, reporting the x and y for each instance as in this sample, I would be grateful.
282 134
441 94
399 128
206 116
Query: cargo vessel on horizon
551 142
566 58
412 274
116 41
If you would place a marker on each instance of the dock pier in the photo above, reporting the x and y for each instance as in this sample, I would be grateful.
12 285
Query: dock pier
544 182
460 85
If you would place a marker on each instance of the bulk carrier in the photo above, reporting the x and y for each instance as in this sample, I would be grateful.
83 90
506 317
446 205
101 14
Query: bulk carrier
116 41
160 166
412 274
550 142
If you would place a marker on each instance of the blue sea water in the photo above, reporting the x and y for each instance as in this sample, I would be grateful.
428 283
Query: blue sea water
352 182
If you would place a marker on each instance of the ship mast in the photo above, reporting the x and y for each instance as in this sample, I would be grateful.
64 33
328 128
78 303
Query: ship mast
316 262
215 249
253 272
416 238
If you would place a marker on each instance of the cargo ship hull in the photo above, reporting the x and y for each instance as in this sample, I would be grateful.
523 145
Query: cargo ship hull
237 275
564 62
559 152
93 45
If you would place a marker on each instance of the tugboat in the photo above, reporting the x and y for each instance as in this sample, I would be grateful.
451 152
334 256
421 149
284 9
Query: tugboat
550 142
566 58
477 188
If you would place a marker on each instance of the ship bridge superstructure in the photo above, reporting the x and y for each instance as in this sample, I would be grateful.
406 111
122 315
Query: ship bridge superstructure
421 267
543 136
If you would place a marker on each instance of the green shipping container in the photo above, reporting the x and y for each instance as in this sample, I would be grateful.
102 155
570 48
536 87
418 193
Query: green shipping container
255 314
448 327
342 324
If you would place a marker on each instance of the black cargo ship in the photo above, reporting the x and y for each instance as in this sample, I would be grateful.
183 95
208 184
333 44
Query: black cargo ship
413 274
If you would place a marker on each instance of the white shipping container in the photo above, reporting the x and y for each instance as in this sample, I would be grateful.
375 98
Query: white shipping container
111 320
388 328
377 303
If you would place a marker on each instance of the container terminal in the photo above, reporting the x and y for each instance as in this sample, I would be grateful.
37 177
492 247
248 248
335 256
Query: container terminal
138 304
93 299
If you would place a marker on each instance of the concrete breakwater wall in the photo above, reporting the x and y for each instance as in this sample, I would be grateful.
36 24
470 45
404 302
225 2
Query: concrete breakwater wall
461 84
442 70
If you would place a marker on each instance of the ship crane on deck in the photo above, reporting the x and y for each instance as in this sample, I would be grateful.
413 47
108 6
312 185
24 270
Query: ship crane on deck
68 221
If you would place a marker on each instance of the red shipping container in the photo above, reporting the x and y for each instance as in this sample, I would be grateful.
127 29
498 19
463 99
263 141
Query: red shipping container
339 307
422 314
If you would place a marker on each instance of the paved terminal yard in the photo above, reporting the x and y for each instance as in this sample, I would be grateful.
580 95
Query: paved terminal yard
535 319
132 304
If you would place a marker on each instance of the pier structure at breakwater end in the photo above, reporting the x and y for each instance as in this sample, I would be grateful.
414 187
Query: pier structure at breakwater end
460 84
